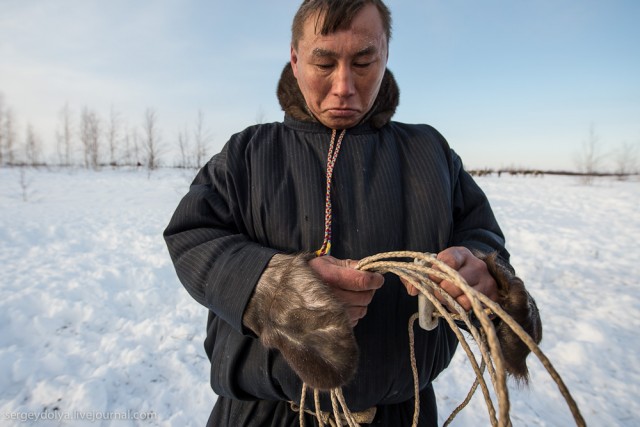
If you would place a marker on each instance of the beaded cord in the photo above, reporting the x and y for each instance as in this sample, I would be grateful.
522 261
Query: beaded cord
332 155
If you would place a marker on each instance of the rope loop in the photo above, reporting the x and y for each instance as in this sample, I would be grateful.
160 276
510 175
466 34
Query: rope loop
419 268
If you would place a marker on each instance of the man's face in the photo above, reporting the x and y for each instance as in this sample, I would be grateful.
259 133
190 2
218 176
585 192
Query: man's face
340 74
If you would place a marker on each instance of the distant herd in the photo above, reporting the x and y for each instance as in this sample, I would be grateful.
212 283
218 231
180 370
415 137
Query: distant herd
512 172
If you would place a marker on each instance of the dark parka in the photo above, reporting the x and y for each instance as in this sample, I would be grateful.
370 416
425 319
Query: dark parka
395 187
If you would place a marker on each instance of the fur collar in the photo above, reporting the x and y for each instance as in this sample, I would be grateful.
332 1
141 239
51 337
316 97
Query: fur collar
293 104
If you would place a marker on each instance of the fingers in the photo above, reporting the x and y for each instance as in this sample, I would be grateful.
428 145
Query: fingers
411 289
342 274
472 269
355 302
455 257
354 288
357 312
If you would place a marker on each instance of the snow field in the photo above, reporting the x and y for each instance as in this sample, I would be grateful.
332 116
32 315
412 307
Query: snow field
93 321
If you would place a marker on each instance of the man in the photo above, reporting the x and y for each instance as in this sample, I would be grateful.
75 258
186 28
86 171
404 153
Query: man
251 239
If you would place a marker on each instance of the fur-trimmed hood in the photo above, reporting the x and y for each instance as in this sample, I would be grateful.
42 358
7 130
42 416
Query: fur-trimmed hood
293 103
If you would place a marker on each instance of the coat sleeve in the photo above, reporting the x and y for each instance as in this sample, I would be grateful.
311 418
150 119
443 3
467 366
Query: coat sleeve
475 225
477 229
210 244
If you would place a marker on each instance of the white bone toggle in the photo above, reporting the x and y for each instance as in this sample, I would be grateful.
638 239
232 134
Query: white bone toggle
426 309
425 313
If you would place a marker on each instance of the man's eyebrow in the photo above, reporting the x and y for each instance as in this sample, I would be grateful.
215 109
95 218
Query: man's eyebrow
323 53
319 52
369 50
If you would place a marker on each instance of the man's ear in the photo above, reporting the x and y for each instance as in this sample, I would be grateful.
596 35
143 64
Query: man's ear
294 61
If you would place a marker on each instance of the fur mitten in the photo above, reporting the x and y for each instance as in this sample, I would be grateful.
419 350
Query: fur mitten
516 301
293 311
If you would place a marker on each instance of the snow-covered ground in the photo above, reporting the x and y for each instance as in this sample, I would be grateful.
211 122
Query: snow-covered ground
94 323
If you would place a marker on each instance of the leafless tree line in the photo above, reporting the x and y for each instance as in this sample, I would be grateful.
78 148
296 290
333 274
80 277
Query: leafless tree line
94 142
8 137
592 158
591 161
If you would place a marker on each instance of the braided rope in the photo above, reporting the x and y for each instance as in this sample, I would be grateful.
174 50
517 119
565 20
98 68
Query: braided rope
416 383
492 359
436 268
332 156
316 402
419 273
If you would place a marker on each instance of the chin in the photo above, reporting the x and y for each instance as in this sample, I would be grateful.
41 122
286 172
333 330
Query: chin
341 123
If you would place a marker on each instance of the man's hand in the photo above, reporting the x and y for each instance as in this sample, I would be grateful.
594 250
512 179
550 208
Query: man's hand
471 268
354 288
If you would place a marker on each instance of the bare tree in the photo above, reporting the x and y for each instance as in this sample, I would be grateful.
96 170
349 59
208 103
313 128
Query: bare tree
9 137
127 156
90 138
32 147
589 160
64 136
202 138
1 129
131 149
626 160
25 184
84 136
95 142
151 139
185 150
113 136
137 149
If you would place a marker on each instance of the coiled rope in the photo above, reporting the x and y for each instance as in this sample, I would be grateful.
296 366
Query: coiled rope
418 272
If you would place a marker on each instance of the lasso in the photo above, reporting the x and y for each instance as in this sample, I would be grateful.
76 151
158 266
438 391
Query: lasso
418 273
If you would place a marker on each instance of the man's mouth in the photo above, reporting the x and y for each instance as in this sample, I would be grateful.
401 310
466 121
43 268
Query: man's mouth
343 112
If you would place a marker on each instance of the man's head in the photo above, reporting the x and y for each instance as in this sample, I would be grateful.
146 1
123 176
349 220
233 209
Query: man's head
339 53
336 14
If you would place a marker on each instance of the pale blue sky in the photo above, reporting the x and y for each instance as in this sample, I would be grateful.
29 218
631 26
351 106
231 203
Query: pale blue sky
506 82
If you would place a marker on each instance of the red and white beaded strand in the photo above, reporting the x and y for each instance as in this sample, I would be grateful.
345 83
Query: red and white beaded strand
334 149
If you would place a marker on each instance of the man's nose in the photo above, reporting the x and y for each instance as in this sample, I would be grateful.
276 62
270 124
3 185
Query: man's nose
343 83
